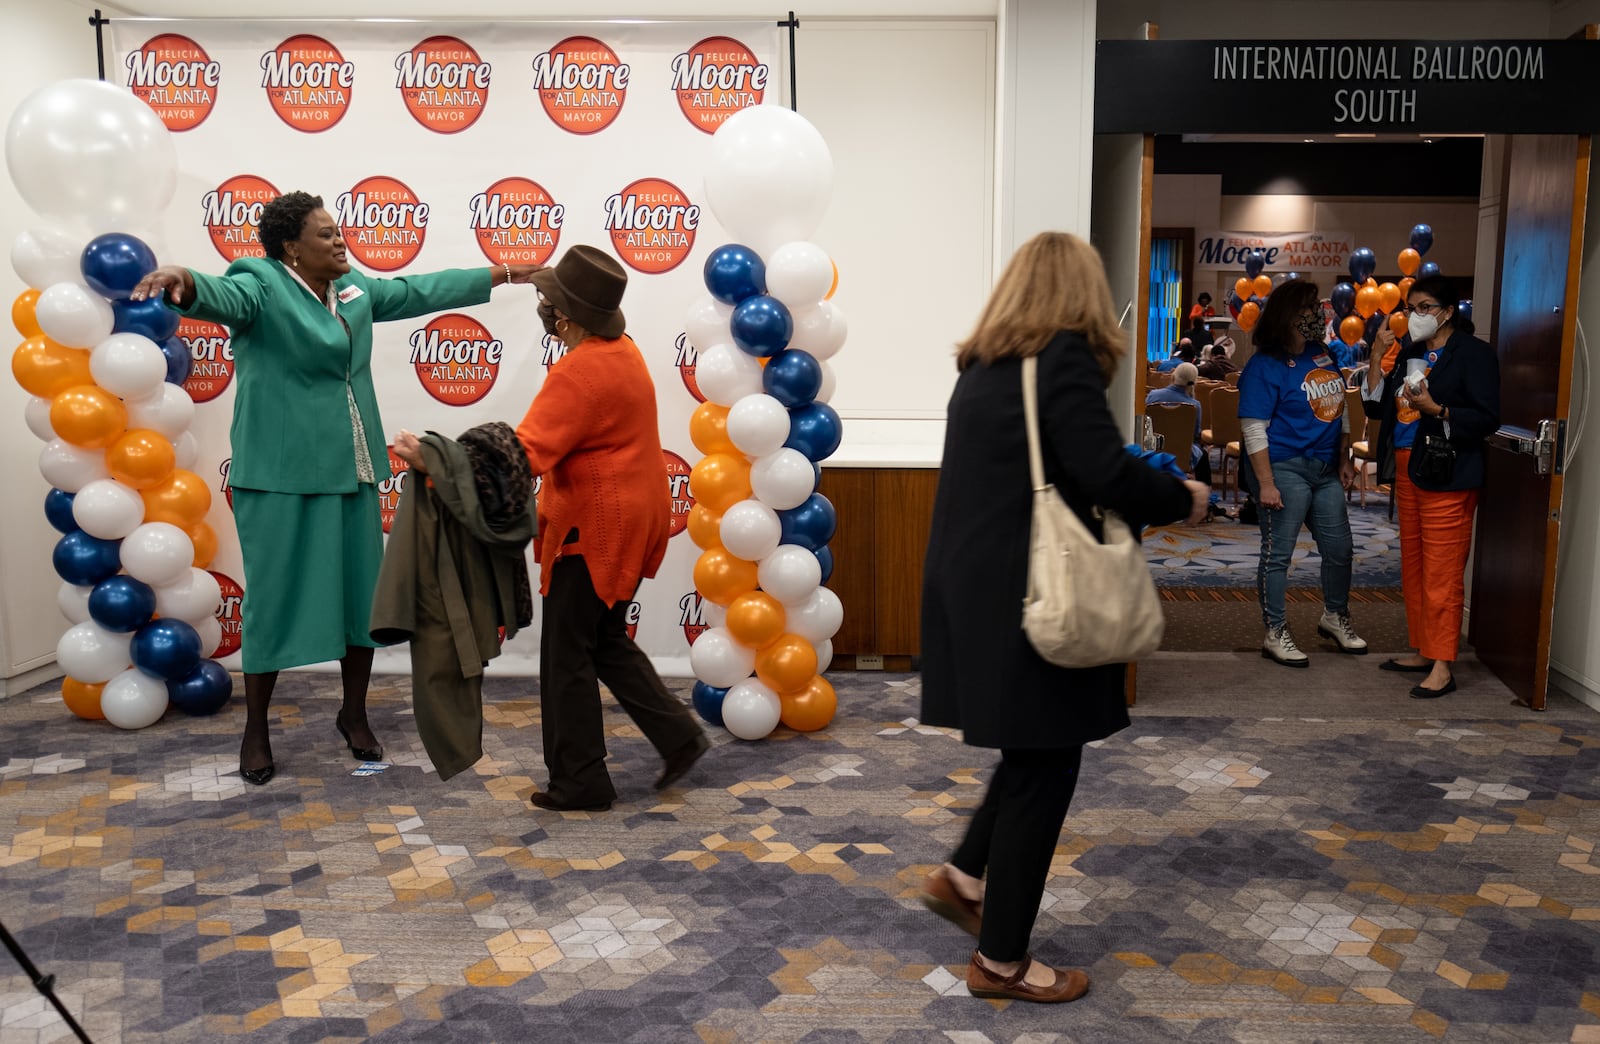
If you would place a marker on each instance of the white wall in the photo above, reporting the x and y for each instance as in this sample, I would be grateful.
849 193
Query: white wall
1321 19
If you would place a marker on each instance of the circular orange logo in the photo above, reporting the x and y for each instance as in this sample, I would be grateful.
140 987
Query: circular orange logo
382 222
715 79
211 352
308 82
389 489
687 359
652 225
456 359
516 221
231 615
678 488
444 83
1325 394
174 76
233 215
581 83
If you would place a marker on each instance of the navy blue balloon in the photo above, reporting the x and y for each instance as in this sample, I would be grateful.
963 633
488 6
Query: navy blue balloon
1343 299
811 525
816 471
735 273
1464 310
179 361
1254 262
1363 262
204 690
1421 238
120 603
793 377
114 263
707 701
82 559
58 510
814 430
1428 269
1235 302
1370 332
166 649
1258 300
825 559
148 317
761 325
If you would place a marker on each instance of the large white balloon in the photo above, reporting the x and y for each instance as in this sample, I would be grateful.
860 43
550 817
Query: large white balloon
714 615
107 509
830 383
37 414
186 450
707 323
757 425
87 151
168 410
820 330
824 654
782 480
210 632
789 574
128 364
769 177
799 274
817 618
726 375
67 467
719 660
751 530
91 654
44 257
158 553
751 710
133 699
74 601
192 597
74 315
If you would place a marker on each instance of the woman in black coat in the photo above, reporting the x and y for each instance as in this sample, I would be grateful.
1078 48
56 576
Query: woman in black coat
979 673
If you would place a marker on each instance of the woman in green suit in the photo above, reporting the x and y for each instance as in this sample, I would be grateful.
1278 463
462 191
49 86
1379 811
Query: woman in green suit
308 446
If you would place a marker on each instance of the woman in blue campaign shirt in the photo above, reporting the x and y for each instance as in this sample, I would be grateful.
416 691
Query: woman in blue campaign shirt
1292 412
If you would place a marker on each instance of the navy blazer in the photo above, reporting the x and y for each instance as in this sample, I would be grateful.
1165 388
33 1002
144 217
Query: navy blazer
1466 381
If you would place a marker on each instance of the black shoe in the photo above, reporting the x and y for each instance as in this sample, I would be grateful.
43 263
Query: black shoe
542 800
260 777
1405 668
1423 693
680 761
359 753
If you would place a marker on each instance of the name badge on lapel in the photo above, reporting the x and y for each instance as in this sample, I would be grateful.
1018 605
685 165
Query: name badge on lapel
350 293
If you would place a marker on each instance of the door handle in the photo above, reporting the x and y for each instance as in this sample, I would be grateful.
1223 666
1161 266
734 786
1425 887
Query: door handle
1545 444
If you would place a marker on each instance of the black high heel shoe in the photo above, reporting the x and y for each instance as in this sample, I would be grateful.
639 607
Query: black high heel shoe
260 777
359 753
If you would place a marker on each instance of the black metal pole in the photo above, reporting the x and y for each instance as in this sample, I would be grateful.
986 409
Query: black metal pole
99 24
45 984
792 24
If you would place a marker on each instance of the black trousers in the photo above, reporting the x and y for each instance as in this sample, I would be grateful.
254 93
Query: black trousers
1012 837
583 643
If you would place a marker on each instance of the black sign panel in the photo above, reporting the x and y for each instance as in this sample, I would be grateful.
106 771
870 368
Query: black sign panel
1347 87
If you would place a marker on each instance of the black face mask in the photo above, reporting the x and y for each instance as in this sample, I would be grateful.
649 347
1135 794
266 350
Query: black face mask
547 316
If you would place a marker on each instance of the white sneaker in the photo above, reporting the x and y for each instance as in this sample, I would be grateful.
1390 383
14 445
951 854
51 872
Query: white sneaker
1338 627
1279 645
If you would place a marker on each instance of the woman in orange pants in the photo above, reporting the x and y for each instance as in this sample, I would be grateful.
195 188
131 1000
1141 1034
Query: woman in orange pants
1438 400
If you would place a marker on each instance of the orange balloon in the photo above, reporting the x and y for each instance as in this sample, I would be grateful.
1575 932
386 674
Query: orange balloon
788 664
22 313
756 619
82 699
1388 297
1367 302
705 527
720 480
204 539
1405 287
183 499
1351 328
835 285
46 368
88 416
1397 323
141 458
1370 282
1262 285
1390 357
708 429
1248 314
1244 288
1410 261
721 576
810 708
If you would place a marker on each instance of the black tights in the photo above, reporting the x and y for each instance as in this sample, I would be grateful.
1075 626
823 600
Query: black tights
355 672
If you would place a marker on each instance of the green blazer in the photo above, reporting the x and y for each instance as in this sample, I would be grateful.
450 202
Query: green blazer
292 360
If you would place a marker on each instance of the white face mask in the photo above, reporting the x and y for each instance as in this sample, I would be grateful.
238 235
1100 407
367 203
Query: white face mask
1422 327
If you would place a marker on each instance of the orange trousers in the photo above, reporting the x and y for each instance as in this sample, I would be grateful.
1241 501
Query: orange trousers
1435 539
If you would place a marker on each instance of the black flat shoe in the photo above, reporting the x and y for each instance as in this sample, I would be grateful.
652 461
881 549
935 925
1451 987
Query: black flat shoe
677 764
542 800
359 753
260 777
1405 668
1423 693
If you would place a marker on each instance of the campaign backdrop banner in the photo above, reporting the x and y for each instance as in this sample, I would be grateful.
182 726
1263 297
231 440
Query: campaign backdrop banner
1282 251
457 145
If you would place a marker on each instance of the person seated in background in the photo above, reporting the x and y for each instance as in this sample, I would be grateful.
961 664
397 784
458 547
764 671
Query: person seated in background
1182 352
1216 365
1181 392
1345 356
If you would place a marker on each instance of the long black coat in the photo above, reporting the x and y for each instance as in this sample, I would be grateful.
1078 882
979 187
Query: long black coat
979 673
1466 380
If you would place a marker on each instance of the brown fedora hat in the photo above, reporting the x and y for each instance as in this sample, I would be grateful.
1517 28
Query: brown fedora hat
587 284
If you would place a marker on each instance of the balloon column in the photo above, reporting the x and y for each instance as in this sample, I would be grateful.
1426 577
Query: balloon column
764 336
1363 304
106 379
1250 292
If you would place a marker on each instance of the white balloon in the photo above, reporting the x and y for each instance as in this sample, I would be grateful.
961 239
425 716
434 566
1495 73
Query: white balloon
107 509
789 574
707 323
74 315
186 450
158 553
44 257
816 619
74 601
210 632
799 274
820 330
194 596
751 530
757 425
714 614
782 480
128 364
133 699
830 382
725 374
37 414
89 151
769 177
718 660
824 654
751 710
168 410
91 654
69 468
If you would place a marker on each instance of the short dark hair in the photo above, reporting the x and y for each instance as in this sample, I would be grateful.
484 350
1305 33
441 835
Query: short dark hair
1443 289
284 218
1274 330
1204 298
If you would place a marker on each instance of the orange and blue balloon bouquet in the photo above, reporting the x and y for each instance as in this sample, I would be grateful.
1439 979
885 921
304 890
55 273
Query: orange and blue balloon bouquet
1250 292
1362 305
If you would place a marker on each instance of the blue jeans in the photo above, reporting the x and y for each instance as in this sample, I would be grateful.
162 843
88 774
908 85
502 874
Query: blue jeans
1312 496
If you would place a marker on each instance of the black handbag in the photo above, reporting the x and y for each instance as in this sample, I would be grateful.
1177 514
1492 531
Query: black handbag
1434 461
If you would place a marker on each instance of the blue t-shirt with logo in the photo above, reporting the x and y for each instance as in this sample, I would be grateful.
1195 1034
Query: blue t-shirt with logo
1302 399
1406 416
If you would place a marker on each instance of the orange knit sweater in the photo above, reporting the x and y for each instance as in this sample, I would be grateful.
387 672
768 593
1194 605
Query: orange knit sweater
591 433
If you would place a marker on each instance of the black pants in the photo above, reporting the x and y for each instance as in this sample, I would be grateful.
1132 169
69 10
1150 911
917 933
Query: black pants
1013 836
583 643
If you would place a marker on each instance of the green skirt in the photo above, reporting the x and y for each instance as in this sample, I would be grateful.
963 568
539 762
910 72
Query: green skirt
310 565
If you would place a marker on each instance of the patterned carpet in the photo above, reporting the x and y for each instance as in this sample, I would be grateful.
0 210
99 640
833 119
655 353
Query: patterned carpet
1224 553
1222 878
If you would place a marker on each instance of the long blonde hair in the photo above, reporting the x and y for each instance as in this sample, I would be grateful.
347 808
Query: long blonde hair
1054 282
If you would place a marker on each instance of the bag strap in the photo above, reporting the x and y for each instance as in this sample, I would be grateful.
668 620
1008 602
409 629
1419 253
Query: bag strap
1030 410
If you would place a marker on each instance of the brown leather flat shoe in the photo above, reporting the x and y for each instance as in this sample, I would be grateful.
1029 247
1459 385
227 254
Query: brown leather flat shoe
939 895
981 982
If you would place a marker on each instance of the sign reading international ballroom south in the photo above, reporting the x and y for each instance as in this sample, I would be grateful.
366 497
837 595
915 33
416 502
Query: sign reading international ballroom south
1319 86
